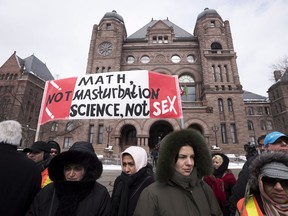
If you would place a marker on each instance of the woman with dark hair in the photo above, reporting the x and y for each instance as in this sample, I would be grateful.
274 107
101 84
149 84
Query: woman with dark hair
179 190
74 191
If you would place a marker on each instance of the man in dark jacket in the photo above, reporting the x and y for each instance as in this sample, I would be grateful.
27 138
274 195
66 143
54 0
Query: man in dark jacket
20 177
40 153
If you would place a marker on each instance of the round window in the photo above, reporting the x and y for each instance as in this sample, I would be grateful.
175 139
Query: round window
175 59
145 59
190 58
130 59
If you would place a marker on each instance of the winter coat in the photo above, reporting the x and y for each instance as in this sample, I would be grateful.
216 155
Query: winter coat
132 186
228 179
238 190
73 198
254 172
19 183
97 202
176 194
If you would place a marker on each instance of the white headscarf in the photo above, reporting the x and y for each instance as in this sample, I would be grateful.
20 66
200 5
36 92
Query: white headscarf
138 154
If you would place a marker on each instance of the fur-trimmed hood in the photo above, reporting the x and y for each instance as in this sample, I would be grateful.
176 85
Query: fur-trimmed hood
169 149
79 153
223 167
259 162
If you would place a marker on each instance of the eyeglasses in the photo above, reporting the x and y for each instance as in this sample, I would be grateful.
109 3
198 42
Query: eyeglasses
272 181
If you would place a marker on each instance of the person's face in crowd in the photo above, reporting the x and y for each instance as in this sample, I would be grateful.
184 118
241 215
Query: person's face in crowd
185 162
128 165
276 189
74 172
260 146
53 152
216 163
36 156
280 144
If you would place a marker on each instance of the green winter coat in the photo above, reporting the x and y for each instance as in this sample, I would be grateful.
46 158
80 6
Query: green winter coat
174 194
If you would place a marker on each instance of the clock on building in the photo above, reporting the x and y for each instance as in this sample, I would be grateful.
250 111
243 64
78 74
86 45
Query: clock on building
105 49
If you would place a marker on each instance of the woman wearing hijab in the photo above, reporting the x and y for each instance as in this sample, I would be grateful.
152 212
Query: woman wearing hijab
267 188
74 191
179 190
136 175
223 175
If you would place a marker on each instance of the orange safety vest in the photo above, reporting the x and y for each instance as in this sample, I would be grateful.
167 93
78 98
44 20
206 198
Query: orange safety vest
45 178
251 208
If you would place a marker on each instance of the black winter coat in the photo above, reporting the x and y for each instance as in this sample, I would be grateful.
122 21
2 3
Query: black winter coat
73 198
97 203
127 189
238 190
19 183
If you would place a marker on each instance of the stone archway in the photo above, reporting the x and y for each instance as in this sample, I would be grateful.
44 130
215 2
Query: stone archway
196 127
158 131
128 137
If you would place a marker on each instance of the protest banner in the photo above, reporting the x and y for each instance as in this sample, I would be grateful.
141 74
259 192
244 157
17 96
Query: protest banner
125 94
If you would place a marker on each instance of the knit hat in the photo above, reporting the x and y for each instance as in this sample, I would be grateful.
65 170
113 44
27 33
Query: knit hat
275 170
270 164
272 137
39 146
10 132
139 156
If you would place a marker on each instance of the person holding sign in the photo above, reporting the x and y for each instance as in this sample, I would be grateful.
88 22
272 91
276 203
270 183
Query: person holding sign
179 190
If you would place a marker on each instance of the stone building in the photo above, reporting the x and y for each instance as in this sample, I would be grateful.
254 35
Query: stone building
278 96
214 102
22 82
205 61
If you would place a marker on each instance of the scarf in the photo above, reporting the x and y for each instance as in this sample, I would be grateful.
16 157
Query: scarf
124 193
271 208
70 194
186 182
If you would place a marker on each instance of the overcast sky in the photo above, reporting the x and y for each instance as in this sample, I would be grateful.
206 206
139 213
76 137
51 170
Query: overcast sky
58 32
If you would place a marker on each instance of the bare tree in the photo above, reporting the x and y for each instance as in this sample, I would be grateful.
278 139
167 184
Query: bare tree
281 66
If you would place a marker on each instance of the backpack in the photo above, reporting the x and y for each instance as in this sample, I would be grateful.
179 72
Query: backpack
217 185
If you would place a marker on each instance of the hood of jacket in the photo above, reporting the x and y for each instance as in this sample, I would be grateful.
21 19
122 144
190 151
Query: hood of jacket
80 153
260 161
223 167
138 154
169 149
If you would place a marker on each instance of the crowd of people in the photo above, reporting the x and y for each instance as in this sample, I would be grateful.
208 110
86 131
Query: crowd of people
188 179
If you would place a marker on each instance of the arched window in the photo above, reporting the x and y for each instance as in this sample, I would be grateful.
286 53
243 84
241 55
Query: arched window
69 126
220 105
216 46
187 85
250 125
54 126
230 105
262 125
213 73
